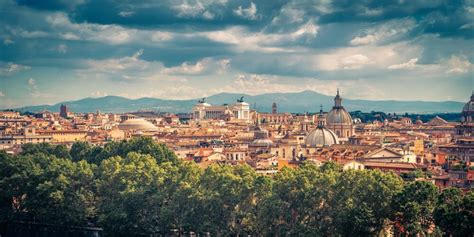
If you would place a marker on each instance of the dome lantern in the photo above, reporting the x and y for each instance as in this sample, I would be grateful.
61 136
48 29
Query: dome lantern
337 100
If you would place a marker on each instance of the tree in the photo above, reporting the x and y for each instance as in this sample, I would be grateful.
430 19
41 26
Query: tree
182 206
363 201
130 191
46 189
453 212
80 151
60 151
228 199
414 207
299 202
142 145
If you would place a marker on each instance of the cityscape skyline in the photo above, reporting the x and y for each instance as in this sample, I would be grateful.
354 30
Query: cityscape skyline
53 51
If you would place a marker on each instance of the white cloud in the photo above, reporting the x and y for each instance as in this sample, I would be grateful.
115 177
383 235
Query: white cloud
32 82
309 29
12 68
189 10
324 6
289 14
160 36
408 65
111 34
367 39
355 61
29 34
197 8
385 31
131 68
375 57
8 41
206 65
247 13
458 65
245 40
371 12
208 15
126 13
70 36
117 64
62 48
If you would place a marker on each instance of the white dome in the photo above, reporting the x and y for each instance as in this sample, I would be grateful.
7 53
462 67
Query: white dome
338 116
137 124
321 136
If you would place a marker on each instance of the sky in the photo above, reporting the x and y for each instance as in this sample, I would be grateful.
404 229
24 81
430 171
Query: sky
59 50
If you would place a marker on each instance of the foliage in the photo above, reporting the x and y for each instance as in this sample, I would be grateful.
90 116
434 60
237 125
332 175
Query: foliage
60 151
454 212
44 188
412 175
138 187
414 207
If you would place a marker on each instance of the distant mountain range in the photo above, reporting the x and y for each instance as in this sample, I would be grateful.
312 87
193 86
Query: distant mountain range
305 101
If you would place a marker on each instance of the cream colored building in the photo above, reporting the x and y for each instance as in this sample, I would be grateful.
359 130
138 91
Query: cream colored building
28 136
204 111
65 135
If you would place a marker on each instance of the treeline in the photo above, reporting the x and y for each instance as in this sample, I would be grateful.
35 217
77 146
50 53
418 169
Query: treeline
138 187
367 117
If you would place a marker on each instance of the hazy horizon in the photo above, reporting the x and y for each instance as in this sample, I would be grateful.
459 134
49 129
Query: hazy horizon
186 99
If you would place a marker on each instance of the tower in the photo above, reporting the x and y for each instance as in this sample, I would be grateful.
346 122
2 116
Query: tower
63 111
274 108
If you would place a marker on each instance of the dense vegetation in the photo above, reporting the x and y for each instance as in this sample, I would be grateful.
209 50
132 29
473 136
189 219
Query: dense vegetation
366 117
139 187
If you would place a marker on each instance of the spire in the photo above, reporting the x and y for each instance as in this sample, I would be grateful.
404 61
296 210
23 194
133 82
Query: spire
337 100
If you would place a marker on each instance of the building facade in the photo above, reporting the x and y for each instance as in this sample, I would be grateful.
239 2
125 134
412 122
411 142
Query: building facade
239 110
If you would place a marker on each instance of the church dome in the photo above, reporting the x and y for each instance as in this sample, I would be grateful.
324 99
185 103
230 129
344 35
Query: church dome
137 124
321 136
338 115
261 136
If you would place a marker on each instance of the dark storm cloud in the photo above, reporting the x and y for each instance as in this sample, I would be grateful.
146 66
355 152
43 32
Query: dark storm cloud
443 17
204 14
51 4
